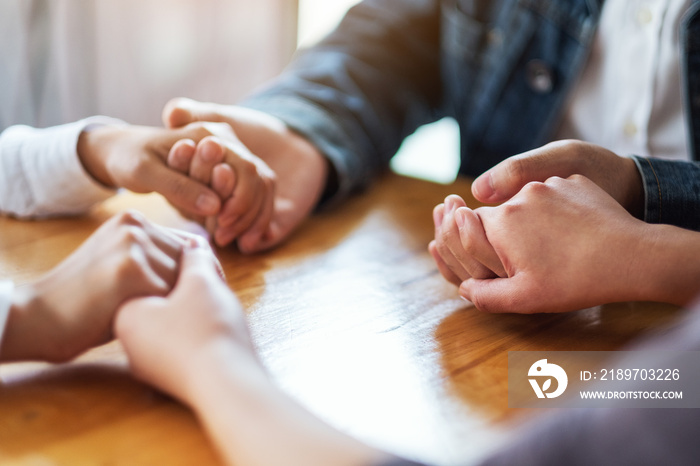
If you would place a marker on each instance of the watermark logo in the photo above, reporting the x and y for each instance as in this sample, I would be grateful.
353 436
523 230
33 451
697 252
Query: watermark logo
604 379
542 369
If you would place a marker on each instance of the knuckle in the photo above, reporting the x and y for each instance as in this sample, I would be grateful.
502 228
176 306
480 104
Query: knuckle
578 179
136 165
535 188
220 129
442 250
472 224
137 171
575 145
130 217
455 199
565 144
432 247
573 149
198 130
132 235
554 181
509 209
469 245
177 188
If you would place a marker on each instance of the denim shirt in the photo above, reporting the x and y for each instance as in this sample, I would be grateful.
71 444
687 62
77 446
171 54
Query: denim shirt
502 68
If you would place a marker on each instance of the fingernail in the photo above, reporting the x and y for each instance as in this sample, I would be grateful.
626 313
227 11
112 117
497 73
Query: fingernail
207 204
448 204
460 218
483 187
210 152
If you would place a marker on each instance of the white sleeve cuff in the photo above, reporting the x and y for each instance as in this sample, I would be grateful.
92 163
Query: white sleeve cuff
6 290
44 175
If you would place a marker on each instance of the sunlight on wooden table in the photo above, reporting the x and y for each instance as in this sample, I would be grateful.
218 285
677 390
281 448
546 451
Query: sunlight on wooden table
350 316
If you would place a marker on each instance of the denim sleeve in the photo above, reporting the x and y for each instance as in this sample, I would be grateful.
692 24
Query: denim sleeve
671 191
363 89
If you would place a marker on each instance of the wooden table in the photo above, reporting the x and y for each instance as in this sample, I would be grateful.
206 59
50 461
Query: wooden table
350 316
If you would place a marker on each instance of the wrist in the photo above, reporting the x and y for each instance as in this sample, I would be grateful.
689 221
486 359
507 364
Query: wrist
320 171
220 367
669 271
94 144
20 342
633 199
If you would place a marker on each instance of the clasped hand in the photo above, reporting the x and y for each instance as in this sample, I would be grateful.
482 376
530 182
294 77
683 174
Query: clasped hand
561 240
241 173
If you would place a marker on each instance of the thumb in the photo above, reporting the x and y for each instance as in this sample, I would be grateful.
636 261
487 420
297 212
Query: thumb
506 179
503 181
494 295
181 111
182 191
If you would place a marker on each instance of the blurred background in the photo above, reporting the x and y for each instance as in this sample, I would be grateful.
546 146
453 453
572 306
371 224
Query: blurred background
62 60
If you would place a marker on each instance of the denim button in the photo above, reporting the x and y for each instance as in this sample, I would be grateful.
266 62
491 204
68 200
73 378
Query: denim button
630 129
494 37
539 77
644 16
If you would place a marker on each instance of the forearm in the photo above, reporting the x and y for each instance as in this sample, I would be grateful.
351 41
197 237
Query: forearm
638 261
668 269
254 423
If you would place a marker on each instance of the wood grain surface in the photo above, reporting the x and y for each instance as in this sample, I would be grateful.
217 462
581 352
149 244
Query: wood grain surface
350 316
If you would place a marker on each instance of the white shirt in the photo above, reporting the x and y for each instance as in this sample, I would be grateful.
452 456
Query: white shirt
628 99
